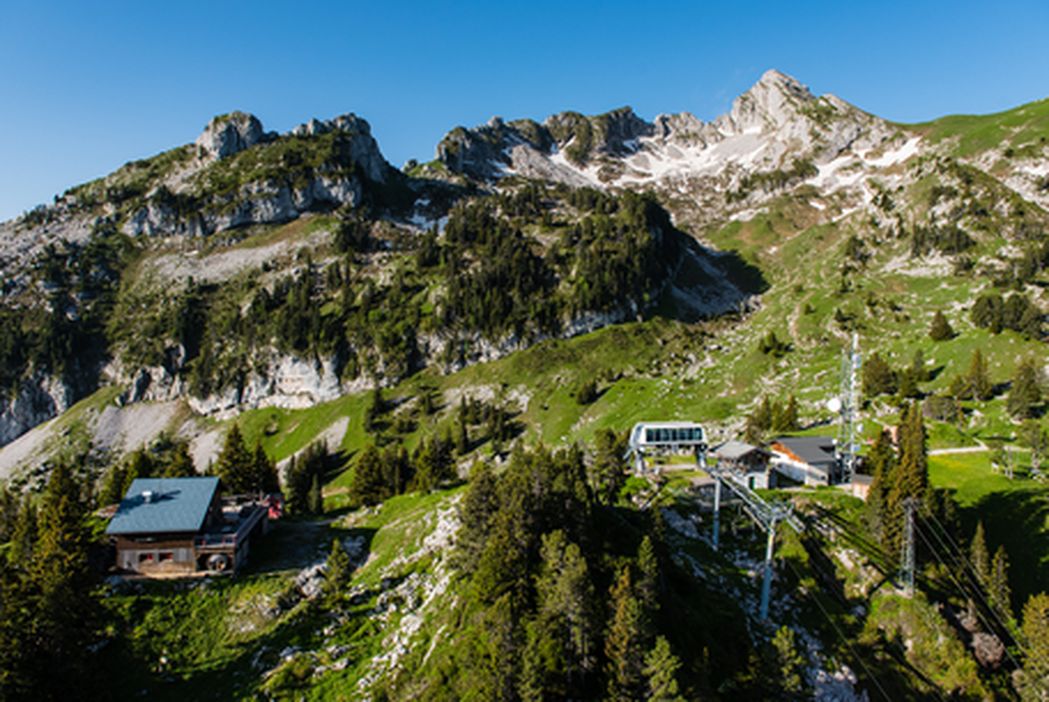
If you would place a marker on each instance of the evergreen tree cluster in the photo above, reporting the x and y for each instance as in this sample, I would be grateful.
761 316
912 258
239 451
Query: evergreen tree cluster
1027 389
477 421
880 378
949 240
975 383
242 470
381 473
614 256
49 615
1016 312
303 478
898 473
535 570
772 417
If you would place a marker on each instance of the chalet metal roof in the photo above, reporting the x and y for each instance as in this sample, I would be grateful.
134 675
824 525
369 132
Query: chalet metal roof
814 450
164 505
733 450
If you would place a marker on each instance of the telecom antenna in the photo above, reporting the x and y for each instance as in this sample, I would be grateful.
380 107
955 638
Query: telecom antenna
848 403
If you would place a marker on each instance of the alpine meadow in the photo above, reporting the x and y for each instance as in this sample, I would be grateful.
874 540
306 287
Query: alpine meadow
587 408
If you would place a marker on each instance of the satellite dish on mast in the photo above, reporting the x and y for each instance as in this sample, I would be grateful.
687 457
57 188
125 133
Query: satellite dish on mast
834 404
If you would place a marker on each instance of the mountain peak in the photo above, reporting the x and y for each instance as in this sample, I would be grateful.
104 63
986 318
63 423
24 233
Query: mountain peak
774 78
229 134
768 104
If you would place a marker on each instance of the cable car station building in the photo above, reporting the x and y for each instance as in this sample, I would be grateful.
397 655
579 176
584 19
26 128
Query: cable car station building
661 438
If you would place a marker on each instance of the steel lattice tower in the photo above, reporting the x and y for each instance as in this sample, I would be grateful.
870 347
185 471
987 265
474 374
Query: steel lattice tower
849 400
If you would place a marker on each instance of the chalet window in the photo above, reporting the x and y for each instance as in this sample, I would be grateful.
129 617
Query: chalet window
145 557
167 556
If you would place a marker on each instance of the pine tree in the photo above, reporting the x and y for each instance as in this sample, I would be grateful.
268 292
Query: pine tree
462 438
1035 438
998 588
476 511
911 476
24 532
1033 683
878 377
235 465
789 417
881 463
987 312
759 422
648 584
661 666
1025 392
315 501
913 376
60 581
908 385
264 472
9 505
979 555
914 464
369 485
940 329
608 471
374 411
623 643
790 664
977 384
338 571
564 628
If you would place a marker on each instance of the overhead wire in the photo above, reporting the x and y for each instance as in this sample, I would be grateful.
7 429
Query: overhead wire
837 630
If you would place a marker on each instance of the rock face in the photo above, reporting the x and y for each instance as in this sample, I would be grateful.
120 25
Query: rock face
230 134
363 149
37 400
259 202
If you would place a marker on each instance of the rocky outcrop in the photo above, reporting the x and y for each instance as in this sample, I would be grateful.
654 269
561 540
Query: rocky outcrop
36 400
229 134
257 202
362 149
284 381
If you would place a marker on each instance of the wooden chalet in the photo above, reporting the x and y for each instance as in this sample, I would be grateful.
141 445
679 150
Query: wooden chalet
181 526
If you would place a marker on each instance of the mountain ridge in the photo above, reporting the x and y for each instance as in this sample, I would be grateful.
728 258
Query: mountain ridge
196 210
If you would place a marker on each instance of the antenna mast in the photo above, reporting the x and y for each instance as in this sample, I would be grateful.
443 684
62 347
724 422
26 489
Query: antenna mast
849 399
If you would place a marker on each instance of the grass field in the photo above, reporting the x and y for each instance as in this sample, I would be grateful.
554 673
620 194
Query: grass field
1014 512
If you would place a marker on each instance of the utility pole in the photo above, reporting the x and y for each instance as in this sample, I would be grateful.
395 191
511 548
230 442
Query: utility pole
907 557
717 511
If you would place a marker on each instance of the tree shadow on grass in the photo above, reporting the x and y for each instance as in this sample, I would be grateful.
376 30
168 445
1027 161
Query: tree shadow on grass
1018 519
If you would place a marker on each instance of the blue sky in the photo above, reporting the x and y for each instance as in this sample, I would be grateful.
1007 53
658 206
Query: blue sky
88 86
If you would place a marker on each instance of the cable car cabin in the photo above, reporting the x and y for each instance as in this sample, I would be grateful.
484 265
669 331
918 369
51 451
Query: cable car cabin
180 526
662 438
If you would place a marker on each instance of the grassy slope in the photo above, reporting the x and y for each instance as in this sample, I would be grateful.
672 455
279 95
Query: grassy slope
1018 127
1015 513
212 640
